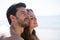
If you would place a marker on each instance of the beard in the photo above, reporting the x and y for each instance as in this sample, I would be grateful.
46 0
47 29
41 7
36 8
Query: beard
22 22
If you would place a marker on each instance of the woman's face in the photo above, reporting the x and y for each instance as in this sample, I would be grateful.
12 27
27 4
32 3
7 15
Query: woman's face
33 20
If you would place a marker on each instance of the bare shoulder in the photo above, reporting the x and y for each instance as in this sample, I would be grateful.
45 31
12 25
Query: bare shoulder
7 38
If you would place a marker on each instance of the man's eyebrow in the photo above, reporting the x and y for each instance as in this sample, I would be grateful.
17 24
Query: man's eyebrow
22 11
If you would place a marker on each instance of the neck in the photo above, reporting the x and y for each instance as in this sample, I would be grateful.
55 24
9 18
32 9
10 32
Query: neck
31 30
17 30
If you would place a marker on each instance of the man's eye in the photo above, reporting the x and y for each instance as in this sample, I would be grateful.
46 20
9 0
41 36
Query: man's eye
22 13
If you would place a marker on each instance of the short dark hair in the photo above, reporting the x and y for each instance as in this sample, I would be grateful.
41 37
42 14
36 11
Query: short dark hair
13 9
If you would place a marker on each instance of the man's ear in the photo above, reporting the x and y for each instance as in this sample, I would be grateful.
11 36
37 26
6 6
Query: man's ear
12 17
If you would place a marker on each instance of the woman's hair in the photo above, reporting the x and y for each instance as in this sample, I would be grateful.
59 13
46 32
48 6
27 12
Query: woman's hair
26 34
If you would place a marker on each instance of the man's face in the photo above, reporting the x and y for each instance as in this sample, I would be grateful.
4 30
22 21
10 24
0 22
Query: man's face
22 17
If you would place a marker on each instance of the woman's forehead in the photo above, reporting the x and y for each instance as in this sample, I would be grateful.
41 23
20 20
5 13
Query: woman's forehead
31 14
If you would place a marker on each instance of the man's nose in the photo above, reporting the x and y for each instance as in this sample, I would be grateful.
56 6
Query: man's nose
27 16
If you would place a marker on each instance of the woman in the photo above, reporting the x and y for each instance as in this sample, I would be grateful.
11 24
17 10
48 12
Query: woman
29 32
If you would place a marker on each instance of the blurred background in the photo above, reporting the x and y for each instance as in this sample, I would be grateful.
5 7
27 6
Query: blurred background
46 11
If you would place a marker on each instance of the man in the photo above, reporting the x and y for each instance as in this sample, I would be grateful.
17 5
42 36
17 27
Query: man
18 19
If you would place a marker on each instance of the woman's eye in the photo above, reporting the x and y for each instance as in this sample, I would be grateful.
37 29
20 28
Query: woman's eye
31 18
35 18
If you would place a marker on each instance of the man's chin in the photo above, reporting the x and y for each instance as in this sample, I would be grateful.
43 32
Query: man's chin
26 25
36 25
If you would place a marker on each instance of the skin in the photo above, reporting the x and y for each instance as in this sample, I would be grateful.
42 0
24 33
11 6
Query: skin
29 32
33 21
20 20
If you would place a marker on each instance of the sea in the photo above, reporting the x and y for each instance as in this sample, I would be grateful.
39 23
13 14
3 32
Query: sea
48 27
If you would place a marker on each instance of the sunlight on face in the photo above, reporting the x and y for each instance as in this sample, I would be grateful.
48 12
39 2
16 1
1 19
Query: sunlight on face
33 20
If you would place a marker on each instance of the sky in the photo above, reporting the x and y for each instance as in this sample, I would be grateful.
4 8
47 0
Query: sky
40 7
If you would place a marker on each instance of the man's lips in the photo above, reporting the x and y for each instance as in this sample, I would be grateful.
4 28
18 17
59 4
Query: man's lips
26 19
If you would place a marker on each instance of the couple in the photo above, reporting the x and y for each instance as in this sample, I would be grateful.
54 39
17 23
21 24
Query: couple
22 23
